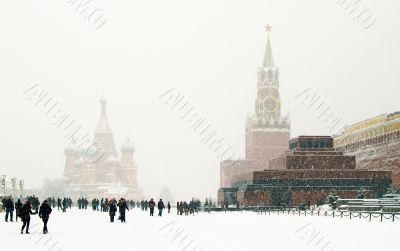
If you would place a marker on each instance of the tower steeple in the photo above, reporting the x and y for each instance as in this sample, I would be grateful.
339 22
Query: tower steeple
103 134
268 57
268 102
103 124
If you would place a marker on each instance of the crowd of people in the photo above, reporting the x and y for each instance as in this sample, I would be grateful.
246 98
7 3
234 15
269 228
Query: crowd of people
103 204
32 206
24 211
188 208
62 203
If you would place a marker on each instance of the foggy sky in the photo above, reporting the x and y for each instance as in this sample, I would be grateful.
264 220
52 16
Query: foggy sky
209 52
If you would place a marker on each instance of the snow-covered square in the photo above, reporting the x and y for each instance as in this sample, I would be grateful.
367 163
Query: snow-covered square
215 231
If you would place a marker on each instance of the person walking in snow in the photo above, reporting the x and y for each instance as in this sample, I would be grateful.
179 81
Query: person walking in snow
169 207
18 206
25 214
44 214
9 205
64 205
122 207
160 207
152 204
59 204
113 210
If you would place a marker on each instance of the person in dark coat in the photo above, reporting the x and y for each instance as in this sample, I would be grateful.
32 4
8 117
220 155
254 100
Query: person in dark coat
18 206
113 210
44 214
152 204
122 206
35 203
25 214
64 205
59 203
160 206
9 205
169 207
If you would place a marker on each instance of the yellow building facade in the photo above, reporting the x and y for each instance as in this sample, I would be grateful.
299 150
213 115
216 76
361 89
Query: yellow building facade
367 129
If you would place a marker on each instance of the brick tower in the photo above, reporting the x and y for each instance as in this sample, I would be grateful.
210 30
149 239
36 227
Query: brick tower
267 133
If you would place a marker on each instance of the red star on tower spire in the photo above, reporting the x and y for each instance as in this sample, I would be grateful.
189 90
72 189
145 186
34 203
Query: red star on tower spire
268 28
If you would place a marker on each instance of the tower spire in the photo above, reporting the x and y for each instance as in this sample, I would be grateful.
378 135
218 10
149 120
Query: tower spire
268 57
103 124
103 135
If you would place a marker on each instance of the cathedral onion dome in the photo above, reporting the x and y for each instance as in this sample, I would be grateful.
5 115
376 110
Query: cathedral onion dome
127 146
89 151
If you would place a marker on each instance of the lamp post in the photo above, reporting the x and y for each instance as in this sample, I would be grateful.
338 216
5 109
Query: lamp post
21 186
4 184
14 184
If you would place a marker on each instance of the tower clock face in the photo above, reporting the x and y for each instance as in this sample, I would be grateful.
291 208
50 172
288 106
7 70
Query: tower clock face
270 105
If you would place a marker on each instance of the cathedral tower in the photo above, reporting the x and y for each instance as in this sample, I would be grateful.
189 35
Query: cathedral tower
103 136
128 168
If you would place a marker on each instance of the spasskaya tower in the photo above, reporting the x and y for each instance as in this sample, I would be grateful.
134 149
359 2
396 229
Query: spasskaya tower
267 132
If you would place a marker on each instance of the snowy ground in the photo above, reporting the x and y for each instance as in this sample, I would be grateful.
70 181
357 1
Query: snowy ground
88 230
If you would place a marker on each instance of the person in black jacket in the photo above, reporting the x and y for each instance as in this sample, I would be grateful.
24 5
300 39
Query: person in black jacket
113 210
122 207
9 205
25 214
44 213
160 206
152 204
18 206
64 205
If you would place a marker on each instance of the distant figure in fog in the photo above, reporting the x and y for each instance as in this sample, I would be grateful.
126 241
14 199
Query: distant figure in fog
64 205
25 214
59 203
169 207
44 214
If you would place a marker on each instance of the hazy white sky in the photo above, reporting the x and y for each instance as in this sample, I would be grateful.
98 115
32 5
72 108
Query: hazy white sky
209 51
